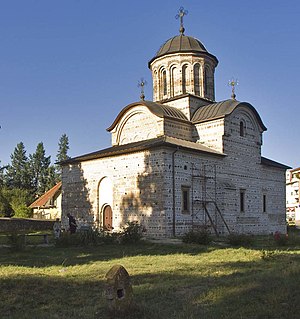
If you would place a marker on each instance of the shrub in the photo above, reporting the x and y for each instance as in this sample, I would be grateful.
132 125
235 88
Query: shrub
280 239
202 237
132 232
240 240
5 207
86 237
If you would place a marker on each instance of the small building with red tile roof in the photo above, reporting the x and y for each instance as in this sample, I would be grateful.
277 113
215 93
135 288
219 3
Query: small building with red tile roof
48 206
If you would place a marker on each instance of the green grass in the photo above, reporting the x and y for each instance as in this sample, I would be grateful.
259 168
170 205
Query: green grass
169 281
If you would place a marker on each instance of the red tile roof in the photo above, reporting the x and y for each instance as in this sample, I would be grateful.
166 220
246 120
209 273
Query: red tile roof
44 199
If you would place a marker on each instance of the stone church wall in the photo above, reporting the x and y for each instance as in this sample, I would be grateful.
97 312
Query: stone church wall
137 124
210 134
138 192
143 186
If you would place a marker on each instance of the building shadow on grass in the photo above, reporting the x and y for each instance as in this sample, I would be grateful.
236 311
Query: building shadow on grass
259 289
52 256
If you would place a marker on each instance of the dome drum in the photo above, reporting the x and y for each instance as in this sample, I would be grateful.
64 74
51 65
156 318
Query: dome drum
183 65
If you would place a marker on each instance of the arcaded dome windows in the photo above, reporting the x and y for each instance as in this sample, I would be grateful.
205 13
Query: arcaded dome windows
197 90
189 69
164 82
184 78
176 77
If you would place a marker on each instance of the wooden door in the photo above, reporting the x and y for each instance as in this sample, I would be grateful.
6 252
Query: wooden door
107 217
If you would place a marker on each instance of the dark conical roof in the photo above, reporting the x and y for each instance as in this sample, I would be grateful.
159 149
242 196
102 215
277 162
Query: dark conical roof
182 43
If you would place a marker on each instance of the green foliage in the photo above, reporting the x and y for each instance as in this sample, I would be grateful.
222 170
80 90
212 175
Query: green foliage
34 173
14 202
86 237
201 236
39 169
17 175
5 206
62 154
131 232
280 239
20 199
240 240
63 147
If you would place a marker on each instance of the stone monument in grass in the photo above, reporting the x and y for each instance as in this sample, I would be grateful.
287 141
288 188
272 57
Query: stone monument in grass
118 289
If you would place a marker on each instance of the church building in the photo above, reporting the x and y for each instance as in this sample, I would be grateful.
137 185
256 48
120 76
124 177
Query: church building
182 161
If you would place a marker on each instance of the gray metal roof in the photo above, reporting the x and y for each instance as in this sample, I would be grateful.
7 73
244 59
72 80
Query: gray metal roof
182 43
268 162
222 109
144 145
159 110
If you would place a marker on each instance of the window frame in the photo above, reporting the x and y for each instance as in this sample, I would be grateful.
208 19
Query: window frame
185 199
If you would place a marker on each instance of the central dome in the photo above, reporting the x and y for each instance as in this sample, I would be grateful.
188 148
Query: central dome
182 65
182 43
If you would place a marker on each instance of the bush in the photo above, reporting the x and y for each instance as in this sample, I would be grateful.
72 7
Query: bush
202 237
240 240
132 232
5 207
280 239
86 237
14 202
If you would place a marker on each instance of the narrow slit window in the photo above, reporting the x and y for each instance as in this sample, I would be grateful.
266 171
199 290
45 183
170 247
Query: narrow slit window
242 128
185 199
264 203
242 201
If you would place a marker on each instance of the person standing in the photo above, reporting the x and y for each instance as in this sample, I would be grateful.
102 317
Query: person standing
56 228
72 224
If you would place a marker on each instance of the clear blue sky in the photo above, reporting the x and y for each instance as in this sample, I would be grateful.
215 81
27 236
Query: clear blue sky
71 66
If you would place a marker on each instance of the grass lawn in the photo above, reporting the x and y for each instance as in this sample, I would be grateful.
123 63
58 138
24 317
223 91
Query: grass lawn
169 281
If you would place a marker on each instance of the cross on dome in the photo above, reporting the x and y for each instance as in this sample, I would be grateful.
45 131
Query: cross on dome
141 84
180 15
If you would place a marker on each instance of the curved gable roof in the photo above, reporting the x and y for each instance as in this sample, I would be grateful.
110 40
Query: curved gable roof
159 110
222 109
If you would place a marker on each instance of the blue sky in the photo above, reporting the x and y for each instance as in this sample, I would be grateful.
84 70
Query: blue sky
71 66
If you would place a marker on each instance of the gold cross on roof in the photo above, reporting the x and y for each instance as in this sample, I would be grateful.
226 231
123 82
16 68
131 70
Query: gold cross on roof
181 13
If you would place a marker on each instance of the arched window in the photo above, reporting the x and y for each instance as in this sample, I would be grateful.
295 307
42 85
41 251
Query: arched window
197 79
164 82
242 128
206 81
184 70
173 80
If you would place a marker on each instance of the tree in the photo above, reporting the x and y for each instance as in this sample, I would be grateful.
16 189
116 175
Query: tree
39 169
63 147
19 201
2 168
5 207
62 154
17 174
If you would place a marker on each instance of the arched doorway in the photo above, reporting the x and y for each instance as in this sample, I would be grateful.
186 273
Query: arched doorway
107 217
